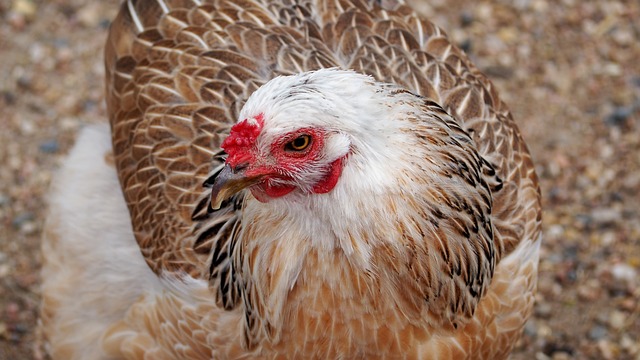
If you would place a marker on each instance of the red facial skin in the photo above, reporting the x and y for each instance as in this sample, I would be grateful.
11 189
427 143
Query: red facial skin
240 147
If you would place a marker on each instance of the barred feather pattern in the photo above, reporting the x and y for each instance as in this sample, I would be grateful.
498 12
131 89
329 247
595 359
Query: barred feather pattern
455 268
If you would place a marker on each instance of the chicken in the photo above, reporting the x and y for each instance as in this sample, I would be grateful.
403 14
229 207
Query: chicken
315 179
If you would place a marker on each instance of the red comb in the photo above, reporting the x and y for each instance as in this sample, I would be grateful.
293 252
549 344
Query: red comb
241 137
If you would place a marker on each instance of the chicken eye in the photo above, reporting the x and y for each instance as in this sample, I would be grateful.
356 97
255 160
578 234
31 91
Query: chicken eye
298 144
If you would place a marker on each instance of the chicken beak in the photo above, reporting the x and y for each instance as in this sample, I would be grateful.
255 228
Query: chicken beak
229 182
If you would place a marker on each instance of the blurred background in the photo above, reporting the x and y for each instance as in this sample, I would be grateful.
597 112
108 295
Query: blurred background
568 69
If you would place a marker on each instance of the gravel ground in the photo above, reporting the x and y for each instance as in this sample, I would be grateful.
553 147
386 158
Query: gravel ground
569 69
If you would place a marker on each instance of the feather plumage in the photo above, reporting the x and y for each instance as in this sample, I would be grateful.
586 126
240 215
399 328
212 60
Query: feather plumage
426 246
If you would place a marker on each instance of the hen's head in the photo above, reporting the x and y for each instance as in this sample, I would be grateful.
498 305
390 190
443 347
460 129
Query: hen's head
296 133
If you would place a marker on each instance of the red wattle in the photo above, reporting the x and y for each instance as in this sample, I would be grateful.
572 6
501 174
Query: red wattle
329 182
278 190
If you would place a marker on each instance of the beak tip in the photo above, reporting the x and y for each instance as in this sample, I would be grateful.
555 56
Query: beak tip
214 205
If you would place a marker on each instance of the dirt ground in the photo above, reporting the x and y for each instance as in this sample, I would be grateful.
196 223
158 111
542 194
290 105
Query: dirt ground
569 69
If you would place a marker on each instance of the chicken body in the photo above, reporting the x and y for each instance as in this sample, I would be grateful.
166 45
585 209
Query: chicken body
389 215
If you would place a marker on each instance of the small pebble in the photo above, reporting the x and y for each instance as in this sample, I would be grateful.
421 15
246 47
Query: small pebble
629 304
49 146
608 238
623 37
617 319
606 216
542 356
608 350
24 7
104 24
631 346
597 332
552 348
561 355
611 69
466 18
624 273
619 279
555 231
5 270
22 219
9 97
619 116
466 46
20 328
530 328
29 228
544 331
25 82
37 52
543 310
589 293
90 15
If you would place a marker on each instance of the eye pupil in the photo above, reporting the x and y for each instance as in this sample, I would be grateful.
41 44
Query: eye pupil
300 143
